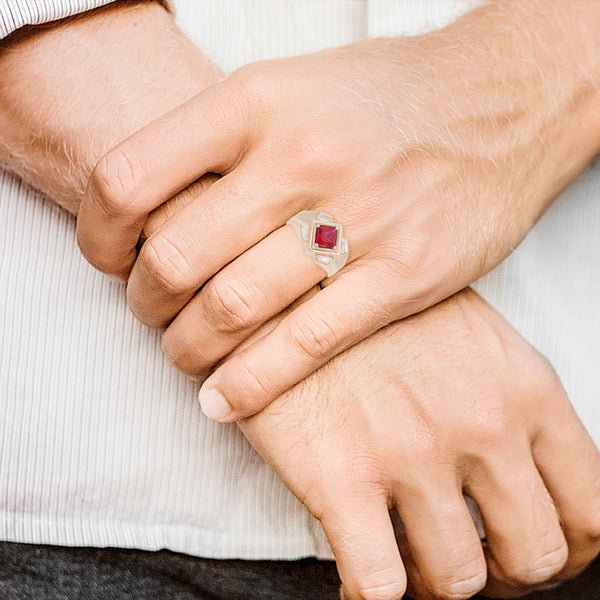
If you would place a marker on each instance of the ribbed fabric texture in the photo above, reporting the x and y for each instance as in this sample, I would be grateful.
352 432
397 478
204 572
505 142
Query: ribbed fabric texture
102 441
15 14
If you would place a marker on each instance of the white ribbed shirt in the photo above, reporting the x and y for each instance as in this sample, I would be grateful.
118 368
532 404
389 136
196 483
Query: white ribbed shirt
102 442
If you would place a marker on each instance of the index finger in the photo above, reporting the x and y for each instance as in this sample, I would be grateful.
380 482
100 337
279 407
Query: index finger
205 134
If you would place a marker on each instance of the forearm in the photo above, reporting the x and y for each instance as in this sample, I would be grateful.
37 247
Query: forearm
71 91
556 50
535 100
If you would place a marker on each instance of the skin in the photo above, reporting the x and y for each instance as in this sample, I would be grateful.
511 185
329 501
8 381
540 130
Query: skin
459 140
447 402
334 437
52 140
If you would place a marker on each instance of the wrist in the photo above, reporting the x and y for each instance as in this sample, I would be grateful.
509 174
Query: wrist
544 57
513 87
72 91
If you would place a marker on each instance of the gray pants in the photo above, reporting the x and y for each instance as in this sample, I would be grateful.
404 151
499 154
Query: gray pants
30 572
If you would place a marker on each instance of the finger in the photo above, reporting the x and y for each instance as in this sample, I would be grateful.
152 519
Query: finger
206 134
237 300
362 538
444 543
569 464
306 339
204 236
160 215
525 544
415 586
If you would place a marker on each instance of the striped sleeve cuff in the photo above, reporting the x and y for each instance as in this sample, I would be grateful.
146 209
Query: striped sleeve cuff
15 14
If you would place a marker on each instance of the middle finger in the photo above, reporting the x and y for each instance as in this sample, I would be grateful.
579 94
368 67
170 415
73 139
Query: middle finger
238 299
200 239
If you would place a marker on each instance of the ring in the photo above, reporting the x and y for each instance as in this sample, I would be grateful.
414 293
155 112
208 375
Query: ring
322 239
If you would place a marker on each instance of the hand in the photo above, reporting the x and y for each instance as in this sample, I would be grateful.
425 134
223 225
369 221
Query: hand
59 115
448 402
436 153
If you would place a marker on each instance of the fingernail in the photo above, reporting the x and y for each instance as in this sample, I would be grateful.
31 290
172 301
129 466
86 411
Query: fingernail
214 405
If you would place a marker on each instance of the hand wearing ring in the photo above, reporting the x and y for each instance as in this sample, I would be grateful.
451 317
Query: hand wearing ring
399 145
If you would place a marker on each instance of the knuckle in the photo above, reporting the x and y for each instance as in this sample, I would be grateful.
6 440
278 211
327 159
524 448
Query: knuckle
540 568
464 582
544 380
424 442
415 256
389 590
99 259
115 182
410 259
492 424
229 305
322 153
166 265
186 354
424 446
258 83
360 467
255 389
313 337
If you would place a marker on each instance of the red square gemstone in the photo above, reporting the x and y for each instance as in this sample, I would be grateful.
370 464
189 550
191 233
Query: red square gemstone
326 236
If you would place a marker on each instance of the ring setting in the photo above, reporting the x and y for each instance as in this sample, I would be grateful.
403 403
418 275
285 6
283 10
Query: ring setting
322 239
